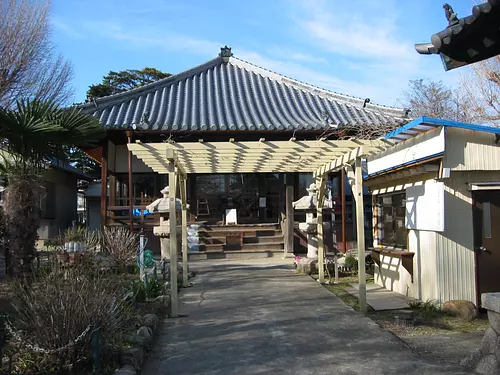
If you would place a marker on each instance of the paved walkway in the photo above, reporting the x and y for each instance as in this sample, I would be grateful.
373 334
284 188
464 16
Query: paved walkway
259 317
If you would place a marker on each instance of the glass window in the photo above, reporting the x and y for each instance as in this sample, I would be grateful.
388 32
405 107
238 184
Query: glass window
486 220
392 215
305 179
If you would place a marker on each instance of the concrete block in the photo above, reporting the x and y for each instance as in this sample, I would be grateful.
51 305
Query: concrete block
488 365
489 342
494 320
491 301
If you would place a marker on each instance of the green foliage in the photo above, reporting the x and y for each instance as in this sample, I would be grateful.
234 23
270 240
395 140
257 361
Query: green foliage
427 309
116 82
152 288
351 261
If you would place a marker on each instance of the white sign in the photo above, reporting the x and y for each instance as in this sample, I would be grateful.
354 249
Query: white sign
425 207
231 216
407 152
262 202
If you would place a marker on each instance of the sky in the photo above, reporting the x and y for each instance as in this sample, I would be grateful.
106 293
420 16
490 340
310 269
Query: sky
362 48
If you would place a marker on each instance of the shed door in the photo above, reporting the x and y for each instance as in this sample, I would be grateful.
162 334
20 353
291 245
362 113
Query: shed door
487 240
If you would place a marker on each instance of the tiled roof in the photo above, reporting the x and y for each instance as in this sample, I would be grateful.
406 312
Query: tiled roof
227 93
468 39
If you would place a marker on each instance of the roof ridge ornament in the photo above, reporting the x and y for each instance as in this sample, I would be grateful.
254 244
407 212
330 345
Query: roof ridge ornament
451 16
225 53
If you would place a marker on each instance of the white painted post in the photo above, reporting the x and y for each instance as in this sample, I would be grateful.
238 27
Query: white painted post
320 185
360 231
173 238
184 225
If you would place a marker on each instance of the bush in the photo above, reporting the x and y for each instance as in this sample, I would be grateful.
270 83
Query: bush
58 307
427 309
121 245
351 262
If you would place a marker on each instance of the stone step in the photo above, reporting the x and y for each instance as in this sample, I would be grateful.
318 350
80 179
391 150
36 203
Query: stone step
246 240
244 247
237 254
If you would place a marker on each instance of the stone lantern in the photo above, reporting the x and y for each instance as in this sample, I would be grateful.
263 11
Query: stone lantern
309 203
162 206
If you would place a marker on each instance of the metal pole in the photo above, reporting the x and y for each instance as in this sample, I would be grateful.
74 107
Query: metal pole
141 257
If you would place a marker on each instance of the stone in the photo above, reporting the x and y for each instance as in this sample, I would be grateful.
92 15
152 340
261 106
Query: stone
488 365
151 320
489 342
463 309
138 341
126 370
491 301
133 357
494 320
147 333
307 266
472 360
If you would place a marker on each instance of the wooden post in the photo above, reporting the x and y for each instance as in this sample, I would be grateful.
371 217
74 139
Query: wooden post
173 238
320 184
360 231
289 220
185 269
104 184
130 189
344 229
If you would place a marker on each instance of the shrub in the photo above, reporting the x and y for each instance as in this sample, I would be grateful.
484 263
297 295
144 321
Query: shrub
120 245
351 262
58 307
427 309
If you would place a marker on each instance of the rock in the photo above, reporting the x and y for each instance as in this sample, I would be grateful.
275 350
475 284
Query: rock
126 370
489 343
494 320
465 310
488 365
147 333
471 361
151 320
307 265
138 341
162 304
491 301
133 357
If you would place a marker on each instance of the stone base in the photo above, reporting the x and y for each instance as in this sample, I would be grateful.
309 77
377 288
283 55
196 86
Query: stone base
307 265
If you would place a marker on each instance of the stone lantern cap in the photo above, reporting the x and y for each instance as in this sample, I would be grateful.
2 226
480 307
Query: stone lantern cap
307 202
163 204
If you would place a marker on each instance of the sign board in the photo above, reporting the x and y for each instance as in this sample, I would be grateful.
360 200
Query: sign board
231 216
262 202
415 149
425 207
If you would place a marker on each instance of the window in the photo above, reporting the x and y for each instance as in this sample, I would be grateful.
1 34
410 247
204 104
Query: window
391 220
486 220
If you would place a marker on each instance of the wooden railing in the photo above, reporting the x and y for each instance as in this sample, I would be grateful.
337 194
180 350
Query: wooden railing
119 215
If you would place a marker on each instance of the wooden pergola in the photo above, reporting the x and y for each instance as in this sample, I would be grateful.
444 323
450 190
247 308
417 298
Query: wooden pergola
318 157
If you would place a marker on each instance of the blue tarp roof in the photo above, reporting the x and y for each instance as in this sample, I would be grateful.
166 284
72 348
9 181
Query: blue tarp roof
424 124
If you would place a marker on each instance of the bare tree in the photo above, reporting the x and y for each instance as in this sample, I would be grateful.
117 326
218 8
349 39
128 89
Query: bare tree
481 85
434 99
29 65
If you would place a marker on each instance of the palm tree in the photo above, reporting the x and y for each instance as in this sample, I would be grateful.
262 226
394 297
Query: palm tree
30 135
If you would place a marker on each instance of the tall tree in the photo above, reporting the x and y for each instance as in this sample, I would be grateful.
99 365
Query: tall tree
434 99
116 82
29 65
481 85
30 135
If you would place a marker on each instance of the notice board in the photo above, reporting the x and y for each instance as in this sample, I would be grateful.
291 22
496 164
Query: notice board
425 207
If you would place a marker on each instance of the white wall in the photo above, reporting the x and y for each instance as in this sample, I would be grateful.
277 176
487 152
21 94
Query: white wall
120 162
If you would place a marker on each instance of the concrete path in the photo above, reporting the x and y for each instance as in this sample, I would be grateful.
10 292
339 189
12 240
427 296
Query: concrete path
379 298
259 317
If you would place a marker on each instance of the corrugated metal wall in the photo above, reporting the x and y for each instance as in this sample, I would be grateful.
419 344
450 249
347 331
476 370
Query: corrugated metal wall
470 150
455 261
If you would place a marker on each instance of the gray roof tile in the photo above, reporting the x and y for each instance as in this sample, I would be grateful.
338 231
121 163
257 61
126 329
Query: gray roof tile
234 95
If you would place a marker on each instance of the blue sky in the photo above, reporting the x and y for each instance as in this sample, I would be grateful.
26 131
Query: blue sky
363 48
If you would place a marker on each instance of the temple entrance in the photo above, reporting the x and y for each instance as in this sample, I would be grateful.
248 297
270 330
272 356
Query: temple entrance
255 197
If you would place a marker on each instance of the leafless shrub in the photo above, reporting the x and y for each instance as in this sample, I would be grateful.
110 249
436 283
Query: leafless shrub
29 66
120 245
58 311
